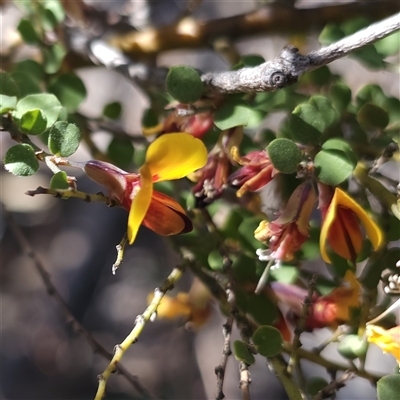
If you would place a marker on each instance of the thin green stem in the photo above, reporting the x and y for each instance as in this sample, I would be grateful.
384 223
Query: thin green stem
140 323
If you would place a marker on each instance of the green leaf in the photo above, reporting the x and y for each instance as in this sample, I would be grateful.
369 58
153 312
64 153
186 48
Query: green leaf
27 85
184 84
285 273
215 261
315 384
352 346
340 95
333 166
372 117
244 268
59 181
306 124
389 46
388 387
112 110
284 155
70 90
8 86
324 106
120 151
33 122
250 60
262 309
28 32
246 233
369 56
7 103
53 57
242 352
330 34
319 77
234 112
21 160
52 14
31 68
354 25
47 103
268 341
64 139
341 145
371 94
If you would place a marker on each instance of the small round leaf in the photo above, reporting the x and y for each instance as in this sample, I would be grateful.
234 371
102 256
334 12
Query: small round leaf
232 113
59 181
47 103
184 84
53 56
28 32
120 151
33 122
70 90
388 387
7 85
372 117
21 160
26 83
215 261
64 139
242 353
341 145
268 341
306 124
333 166
284 155
352 346
112 110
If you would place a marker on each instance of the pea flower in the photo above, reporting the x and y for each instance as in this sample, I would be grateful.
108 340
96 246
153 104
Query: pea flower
212 179
171 156
341 217
194 307
387 340
257 171
285 235
325 311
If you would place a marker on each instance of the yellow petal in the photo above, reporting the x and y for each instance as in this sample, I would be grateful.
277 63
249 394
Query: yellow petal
341 198
374 233
175 155
140 203
323 237
384 339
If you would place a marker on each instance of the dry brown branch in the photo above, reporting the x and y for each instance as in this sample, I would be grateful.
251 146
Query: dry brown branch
191 33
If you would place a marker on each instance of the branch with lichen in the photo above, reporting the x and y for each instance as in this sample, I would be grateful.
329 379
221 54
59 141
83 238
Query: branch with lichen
69 317
140 323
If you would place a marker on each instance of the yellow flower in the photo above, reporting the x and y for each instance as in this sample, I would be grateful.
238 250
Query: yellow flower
171 156
193 307
387 340
341 227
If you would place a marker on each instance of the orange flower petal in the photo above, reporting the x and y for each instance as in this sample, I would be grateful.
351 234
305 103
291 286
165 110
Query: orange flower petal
175 155
140 203
166 217
332 227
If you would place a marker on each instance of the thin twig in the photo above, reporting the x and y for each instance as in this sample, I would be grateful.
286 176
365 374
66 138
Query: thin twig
69 317
245 380
226 352
66 194
140 323
120 253
331 389
330 365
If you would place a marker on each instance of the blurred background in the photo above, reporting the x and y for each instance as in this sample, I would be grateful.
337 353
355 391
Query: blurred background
41 356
